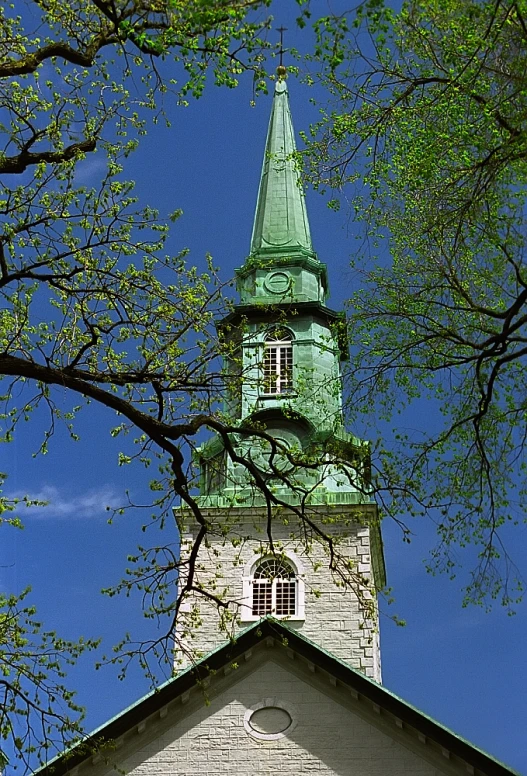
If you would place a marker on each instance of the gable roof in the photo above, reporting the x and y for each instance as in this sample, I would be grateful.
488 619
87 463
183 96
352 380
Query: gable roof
340 673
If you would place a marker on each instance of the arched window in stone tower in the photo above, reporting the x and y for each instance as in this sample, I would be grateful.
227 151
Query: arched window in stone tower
274 589
278 362
274 585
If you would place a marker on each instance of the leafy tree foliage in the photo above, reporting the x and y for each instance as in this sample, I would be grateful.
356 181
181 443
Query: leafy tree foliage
94 308
426 135
37 711
90 300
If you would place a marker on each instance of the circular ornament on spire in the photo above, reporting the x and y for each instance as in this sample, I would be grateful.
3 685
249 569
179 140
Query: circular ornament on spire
277 283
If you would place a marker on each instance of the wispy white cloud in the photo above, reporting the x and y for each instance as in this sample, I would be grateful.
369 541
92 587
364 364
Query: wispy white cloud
91 169
87 504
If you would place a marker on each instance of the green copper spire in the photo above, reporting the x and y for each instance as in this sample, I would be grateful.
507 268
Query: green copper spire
282 264
280 224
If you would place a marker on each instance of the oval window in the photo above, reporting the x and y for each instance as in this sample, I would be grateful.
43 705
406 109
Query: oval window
270 721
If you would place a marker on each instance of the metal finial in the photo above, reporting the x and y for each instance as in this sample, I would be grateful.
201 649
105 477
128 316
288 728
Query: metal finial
281 30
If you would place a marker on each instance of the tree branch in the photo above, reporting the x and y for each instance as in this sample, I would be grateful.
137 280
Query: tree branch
17 164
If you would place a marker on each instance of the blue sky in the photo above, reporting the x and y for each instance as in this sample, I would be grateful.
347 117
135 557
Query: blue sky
463 667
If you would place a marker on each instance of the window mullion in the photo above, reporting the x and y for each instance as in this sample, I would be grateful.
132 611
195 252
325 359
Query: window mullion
277 366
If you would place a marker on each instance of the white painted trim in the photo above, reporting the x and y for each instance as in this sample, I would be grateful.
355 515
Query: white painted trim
250 617
246 608
250 566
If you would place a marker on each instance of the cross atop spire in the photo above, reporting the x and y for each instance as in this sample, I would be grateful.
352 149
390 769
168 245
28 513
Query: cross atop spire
281 30
281 225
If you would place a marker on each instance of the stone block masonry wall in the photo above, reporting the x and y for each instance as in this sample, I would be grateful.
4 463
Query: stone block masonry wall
210 740
335 617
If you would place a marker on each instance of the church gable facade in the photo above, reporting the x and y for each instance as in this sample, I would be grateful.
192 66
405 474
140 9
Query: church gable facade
273 703
269 719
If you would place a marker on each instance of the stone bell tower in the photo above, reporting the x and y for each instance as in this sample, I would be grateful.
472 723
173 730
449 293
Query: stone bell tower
307 547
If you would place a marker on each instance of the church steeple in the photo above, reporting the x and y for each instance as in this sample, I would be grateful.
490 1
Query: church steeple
283 348
282 263
287 345
281 225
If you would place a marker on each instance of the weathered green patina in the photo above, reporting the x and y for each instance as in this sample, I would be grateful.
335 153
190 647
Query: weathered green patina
284 375
282 262
280 222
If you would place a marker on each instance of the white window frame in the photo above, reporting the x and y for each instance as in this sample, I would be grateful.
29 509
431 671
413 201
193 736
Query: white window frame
276 590
279 380
246 610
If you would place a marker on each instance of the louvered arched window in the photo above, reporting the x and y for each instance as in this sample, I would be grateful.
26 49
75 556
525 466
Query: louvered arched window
278 362
274 589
